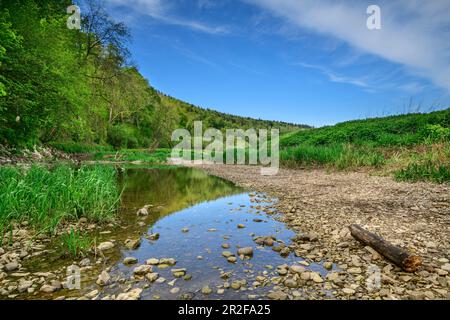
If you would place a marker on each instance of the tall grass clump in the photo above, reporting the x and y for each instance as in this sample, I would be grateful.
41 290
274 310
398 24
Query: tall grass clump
338 156
46 197
427 171
431 165
75 244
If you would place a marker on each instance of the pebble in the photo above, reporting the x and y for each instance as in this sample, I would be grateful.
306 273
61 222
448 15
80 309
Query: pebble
153 236
142 270
227 254
134 294
348 291
152 261
328 265
297 269
316 277
356 270
178 273
236 285
446 267
247 251
12 266
277 295
130 260
206 290
290 283
104 246
152 277
103 279
174 290
48 289
132 244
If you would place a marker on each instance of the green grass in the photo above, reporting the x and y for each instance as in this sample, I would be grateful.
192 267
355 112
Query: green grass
75 244
46 197
403 130
130 155
76 147
413 147
339 156
432 164
430 171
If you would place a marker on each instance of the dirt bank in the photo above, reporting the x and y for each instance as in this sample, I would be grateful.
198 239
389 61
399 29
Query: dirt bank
323 205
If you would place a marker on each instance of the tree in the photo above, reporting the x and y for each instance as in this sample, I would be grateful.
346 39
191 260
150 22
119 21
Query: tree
101 31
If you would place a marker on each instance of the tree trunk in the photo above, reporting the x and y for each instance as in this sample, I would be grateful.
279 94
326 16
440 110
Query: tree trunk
399 256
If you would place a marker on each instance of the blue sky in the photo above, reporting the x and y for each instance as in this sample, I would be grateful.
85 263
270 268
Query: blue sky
303 61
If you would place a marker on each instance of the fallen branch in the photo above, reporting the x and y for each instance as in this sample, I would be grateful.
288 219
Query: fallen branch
397 255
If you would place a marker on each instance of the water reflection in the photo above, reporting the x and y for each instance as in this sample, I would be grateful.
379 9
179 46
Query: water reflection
197 217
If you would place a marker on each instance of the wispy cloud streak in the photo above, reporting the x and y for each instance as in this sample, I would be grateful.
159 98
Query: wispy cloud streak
414 34
160 10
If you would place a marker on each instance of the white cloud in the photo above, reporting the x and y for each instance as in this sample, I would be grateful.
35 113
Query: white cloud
334 77
414 33
160 10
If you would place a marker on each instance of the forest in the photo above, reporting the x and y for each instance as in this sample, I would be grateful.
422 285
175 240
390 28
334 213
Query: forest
66 86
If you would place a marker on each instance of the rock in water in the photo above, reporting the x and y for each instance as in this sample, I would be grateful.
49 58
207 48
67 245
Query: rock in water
132 244
152 261
143 212
104 246
247 251
130 260
142 270
206 290
134 294
154 236
178 273
152 277
103 279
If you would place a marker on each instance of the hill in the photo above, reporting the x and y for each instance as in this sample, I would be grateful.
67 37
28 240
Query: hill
401 130
188 113
411 147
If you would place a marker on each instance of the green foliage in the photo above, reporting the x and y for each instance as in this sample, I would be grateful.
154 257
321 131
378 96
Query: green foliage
153 157
416 146
78 147
189 113
77 86
75 244
339 156
47 197
403 130
429 170
437 133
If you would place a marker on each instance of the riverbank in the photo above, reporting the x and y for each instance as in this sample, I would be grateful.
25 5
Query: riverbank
240 247
320 206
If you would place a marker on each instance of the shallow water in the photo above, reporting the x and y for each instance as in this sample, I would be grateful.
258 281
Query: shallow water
211 209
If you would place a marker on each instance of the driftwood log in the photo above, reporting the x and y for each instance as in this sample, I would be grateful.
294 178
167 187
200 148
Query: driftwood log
399 256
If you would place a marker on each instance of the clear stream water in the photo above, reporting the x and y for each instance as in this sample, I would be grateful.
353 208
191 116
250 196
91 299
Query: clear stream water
211 208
